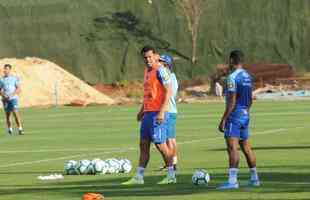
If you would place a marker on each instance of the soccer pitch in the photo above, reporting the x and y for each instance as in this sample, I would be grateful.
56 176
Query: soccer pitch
279 133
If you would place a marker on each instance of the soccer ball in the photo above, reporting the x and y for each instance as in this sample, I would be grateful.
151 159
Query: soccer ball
94 164
105 168
125 166
94 161
200 177
71 167
91 169
101 167
84 166
114 166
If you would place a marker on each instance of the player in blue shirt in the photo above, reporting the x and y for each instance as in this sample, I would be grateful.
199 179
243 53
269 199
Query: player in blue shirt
167 61
9 89
235 121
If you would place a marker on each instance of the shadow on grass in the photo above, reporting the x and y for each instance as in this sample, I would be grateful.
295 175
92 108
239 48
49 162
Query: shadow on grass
273 182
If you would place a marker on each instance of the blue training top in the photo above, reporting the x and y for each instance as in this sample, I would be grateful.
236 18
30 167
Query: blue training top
8 84
240 82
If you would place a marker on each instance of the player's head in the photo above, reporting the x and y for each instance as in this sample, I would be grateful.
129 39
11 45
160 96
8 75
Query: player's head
166 60
236 58
149 56
7 69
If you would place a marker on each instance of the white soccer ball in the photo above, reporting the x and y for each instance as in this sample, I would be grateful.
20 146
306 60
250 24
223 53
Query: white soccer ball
200 177
71 167
101 167
91 169
84 166
95 160
105 168
114 166
125 166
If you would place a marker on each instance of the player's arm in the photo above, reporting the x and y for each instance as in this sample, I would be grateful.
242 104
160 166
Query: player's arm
251 101
140 113
164 107
164 77
231 101
17 88
2 92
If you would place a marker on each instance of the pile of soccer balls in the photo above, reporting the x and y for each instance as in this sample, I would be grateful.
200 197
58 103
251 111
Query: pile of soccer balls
201 177
97 166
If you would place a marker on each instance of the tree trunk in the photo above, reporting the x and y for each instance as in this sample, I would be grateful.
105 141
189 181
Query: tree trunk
194 48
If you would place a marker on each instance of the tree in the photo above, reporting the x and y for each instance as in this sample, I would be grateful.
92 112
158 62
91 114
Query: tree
192 11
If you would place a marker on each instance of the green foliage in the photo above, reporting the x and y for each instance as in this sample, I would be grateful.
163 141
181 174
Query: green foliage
99 41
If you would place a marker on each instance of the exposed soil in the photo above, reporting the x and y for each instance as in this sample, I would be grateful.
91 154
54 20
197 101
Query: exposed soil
42 81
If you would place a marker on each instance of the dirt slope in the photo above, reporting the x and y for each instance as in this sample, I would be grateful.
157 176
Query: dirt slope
40 79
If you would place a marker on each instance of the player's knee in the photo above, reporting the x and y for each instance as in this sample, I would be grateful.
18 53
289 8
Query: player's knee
247 150
164 149
161 146
232 148
171 143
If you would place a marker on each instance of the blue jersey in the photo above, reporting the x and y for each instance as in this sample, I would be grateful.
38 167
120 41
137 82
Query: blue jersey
240 82
8 84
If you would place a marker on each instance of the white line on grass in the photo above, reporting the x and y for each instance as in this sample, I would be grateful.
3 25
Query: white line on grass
118 150
124 117
64 158
57 150
222 136
257 114
111 149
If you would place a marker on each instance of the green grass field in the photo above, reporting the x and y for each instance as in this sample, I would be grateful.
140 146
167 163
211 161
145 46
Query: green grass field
280 135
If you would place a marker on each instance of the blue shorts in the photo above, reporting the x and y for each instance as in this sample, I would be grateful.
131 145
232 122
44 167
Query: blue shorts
171 132
237 125
10 105
153 131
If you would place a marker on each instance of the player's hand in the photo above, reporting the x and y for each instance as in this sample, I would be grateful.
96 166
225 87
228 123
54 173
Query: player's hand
140 116
222 126
160 117
5 97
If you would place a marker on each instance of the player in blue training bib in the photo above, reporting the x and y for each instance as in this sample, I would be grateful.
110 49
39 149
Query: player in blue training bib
235 121
9 90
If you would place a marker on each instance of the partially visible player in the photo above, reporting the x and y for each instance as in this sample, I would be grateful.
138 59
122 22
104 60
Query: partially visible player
9 90
167 61
153 116
235 121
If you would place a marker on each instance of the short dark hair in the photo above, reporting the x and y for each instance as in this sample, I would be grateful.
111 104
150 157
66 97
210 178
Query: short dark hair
8 66
146 49
236 56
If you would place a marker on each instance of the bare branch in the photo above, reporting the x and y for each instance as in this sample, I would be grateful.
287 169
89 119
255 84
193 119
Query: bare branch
192 10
